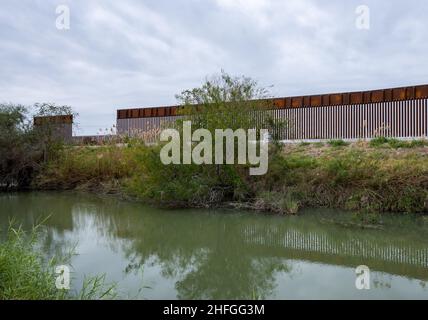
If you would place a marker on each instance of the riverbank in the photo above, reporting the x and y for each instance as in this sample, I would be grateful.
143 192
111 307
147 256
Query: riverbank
380 176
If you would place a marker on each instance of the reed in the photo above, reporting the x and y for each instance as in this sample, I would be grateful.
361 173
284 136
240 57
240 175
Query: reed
26 273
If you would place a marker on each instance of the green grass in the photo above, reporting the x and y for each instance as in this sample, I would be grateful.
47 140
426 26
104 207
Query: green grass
382 142
379 141
26 274
337 143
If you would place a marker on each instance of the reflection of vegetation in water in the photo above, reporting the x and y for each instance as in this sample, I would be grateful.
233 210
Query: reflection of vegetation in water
213 280
206 257
224 255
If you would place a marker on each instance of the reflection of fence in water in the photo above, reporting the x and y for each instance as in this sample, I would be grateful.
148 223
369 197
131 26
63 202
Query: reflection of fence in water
322 243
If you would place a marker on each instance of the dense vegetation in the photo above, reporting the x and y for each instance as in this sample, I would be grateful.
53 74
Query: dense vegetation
354 177
23 146
383 175
26 274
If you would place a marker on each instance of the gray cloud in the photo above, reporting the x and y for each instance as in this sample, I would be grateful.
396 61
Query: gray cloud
141 53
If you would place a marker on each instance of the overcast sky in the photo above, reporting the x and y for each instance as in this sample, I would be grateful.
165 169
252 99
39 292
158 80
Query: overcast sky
120 54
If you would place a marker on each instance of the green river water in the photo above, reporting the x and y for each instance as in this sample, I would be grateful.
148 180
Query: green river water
221 254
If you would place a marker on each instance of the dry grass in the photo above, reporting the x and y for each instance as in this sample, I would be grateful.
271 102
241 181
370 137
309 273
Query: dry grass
98 168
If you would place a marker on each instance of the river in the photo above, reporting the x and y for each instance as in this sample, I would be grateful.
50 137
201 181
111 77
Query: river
222 254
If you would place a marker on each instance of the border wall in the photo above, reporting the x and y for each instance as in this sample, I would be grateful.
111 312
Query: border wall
395 112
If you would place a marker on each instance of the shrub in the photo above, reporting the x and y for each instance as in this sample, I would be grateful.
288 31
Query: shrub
277 202
337 143
379 141
223 102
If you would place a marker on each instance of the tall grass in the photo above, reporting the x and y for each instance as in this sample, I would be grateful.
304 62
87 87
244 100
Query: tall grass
90 167
26 274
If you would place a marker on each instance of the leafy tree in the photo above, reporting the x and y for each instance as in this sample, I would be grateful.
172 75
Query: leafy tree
24 147
46 109
222 102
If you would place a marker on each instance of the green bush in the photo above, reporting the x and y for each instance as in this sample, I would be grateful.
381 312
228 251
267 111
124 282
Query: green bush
379 141
178 185
337 143
224 102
